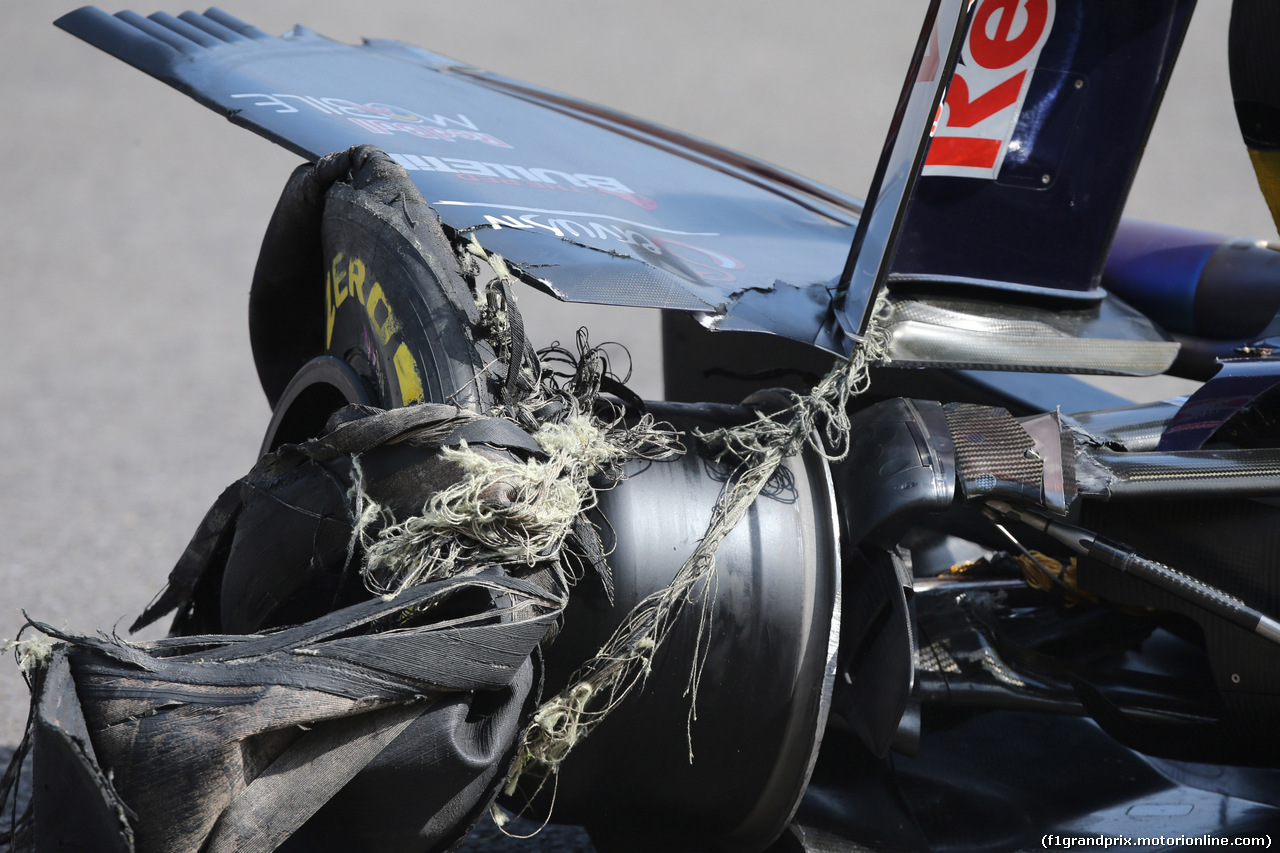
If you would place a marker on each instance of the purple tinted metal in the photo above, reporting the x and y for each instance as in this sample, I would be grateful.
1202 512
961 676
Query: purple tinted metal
1195 283
1238 384
1156 268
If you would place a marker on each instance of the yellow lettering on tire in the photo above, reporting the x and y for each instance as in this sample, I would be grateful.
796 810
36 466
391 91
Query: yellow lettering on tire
408 376
388 326
347 277
339 280
330 310
355 278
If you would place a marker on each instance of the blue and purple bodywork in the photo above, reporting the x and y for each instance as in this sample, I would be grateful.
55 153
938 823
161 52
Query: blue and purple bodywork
991 240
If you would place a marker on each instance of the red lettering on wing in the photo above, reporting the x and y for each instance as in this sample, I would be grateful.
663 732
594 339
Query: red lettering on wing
1001 48
963 151
963 112
987 87
711 265
372 125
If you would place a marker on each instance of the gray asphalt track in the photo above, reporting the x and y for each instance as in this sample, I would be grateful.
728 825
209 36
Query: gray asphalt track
131 216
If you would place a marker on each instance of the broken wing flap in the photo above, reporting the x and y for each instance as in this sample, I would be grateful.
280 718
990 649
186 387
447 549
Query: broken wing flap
610 209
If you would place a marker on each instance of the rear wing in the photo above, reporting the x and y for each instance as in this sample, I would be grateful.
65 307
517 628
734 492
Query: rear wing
997 196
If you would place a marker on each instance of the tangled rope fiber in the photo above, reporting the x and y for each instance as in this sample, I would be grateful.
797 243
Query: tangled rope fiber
511 510
502 509
754 451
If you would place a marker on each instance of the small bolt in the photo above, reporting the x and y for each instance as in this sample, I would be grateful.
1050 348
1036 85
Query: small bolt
1044 179
1079 84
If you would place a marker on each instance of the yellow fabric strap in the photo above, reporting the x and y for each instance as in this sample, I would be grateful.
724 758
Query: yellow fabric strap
1266 165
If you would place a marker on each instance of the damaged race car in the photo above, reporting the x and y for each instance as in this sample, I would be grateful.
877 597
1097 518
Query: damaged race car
855 584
